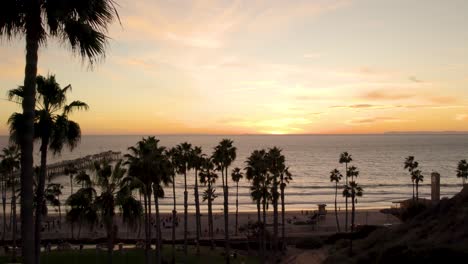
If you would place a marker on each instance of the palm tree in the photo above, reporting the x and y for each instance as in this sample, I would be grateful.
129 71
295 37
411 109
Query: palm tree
195 164
353 190
3 187
163 170
172 154
462 170
52 196
11 163
256 173
285 178
70 170
335 176
236 176
417 177
52 127
115 191
411 165
208 178
82 25
82 207
142 161
224 154
184 151
346 158
276 164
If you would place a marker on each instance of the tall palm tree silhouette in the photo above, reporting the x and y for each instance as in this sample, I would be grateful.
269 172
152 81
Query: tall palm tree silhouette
335 176
183 155
195 164
236 176
346 158
208 178
52 127
224 154
80 24
411 165
462 170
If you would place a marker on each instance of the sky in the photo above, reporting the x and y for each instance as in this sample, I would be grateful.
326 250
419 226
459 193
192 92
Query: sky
265 66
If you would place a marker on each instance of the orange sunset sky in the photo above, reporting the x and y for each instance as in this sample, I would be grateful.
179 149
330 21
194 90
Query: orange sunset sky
258 66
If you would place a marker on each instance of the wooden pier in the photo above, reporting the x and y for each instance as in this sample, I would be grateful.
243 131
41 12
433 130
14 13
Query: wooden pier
82 163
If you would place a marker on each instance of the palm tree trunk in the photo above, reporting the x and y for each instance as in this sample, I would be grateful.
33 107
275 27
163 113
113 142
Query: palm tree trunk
174 212
60 216
72 224
346 216
275 216
264 231
336 208
352 222
210 218
413 191
147 257
197 213
417 191
226 218
150 238
158 226
4 210
283 209
260 230
185 213
13 202
33 24
40 198
110 237
237 205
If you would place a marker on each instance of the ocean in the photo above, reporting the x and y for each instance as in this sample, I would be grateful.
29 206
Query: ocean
379 159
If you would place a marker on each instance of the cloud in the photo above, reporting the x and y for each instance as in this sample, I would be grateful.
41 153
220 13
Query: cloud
361 106
414 79
372 120
386 95
442 99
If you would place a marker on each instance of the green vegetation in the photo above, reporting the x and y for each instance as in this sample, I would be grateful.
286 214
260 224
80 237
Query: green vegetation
133 256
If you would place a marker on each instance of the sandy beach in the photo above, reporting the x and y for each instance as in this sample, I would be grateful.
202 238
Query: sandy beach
298 224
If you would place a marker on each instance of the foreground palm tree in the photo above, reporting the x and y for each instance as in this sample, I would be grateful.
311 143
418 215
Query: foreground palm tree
82 205
142 161
208 178
172 155
116 190
276 164
196 163
52 127
3 190
256 173
411 165
11 163
162 177
80 24
183 155
236 176
346 158
335 176
352 190
462 170
224 154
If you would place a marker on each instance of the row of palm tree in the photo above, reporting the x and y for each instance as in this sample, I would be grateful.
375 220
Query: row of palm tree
416 175
351 189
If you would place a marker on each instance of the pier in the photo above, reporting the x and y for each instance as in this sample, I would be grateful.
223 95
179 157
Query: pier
82 163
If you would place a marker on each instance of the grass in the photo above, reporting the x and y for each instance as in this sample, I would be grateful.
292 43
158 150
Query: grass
134 256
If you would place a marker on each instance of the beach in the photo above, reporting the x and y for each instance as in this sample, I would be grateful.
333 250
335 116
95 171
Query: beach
298 225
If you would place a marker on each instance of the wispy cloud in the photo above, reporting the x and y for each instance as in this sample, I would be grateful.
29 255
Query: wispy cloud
461 117
372 120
